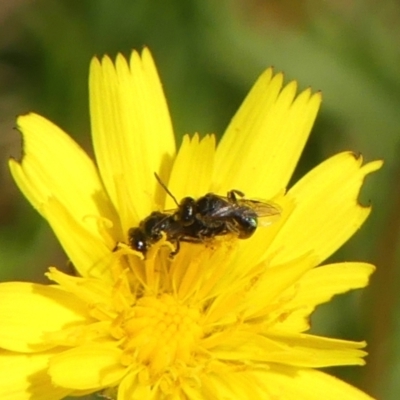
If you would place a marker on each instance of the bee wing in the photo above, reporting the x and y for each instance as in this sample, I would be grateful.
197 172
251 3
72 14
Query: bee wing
263 209
221 212
267 211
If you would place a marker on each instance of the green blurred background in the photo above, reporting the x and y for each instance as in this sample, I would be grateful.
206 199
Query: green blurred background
209 53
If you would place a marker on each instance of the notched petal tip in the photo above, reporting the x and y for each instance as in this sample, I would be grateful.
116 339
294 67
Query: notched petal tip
95 62
269 130
315 96
21 117
373 166
264 80
105 59
99 64
20 120
313 92
370 166
366 170
357 155
146 55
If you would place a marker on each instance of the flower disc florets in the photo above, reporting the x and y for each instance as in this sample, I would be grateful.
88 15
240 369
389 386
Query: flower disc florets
158 331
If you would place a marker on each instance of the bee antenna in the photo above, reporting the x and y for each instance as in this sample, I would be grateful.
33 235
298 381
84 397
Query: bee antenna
165 188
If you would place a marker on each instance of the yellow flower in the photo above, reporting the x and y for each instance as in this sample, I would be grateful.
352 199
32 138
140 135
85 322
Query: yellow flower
224 319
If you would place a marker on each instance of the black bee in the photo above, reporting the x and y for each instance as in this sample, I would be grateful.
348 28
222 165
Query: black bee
198 220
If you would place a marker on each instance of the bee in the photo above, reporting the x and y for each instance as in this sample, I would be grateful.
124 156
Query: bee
198 220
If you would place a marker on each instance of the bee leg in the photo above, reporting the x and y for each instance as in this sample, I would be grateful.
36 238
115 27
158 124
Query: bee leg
117 246
177 248
231 195
232 228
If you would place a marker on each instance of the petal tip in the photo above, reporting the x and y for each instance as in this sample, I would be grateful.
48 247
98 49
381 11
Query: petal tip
95 60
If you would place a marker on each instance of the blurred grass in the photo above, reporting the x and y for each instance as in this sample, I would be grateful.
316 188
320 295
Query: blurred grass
209 54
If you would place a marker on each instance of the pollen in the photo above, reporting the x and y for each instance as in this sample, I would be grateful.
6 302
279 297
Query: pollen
159 332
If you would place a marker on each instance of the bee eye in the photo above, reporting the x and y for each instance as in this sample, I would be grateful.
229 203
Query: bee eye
247 224
137 240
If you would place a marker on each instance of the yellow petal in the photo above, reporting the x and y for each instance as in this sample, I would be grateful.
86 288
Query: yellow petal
86 241
273 283
314 351
132 132
294 320
289 349
60 181
53 165
28 311
90 291
24 377
320 284
327 212
87 367
224 383
132 388
265 138
192 171
256 301
281 382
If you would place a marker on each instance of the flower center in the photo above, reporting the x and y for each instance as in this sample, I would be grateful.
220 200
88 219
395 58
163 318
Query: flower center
159 332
